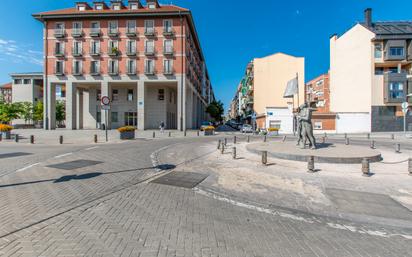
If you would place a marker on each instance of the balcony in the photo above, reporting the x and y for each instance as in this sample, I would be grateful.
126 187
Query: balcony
59 53
131 32
95 32
59 33
113 52
113 32
168 71
168 32
77 53
149 32
149 71
149 51
168 50
77 33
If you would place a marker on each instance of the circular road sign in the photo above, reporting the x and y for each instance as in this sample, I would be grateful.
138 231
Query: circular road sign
405 105
105 100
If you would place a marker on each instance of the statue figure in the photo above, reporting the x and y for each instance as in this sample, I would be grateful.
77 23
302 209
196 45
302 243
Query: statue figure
298 126
306 128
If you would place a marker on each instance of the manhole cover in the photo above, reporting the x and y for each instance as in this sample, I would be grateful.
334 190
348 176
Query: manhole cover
74 164
181 179
365 203
11 155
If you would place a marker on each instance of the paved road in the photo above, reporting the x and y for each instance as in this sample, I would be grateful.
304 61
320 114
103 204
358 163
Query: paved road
103 205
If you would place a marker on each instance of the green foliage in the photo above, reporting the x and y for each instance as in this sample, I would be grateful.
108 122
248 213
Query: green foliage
60 111
216 110
38 111
9 111
26 109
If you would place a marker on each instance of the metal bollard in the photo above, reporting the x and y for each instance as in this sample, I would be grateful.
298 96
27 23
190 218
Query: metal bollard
284 139
365 167
323 140
61 140
311 164
198 133
185 133
393 136
234 152
222 148
218 144
373 144
16 138
1 137
326 134
347 141
398 148
410 166
154 134
31 139
234 140
248 139
264 139
346 135
95 139
170 134
225 141
368 136
264 157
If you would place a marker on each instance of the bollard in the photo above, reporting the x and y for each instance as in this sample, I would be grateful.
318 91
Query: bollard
284 139
61 140
326 134
154 134
373 144
225 141
170 134
16 138
218 144
264 157
31 139
365 167
234 140
368 136
198 133
234 152
264 139
393 136
1 137
185 133
410 166
222 148
95 139
248 139
398 148
323 140
311 164
347 141
346 135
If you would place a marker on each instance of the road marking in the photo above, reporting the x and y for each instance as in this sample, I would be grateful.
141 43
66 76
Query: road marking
28 167
91 148
62 155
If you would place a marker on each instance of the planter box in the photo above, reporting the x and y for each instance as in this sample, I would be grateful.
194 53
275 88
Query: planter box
6 135
129 135
273 133
209 132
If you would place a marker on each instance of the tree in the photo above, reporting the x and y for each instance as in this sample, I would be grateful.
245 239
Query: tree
26 111
216 110
60 111
9 112
38 112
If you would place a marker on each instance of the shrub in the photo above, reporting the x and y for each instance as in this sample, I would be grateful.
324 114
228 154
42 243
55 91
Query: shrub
5 128
126 129
209 128
273 129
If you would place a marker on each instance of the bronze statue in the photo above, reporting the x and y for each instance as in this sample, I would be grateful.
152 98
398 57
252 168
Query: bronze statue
305 128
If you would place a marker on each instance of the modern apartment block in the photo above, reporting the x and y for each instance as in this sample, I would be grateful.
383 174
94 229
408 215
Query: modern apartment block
370 75
318 95
6 92
27 87
261 91
146 58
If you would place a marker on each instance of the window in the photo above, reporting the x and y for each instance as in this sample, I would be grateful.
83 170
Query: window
168 26
318 125
134 6
168 46
130 95
77 48
387 110
77 67
396 90
98 95
116 7
77 28
152 6
131 27
149 47
168 66
99 7
59 67
131 67
149 66
115 117
378 50
59 28
275 124
115 95
112 27
113 67
393 70
131 46
149 26
95 47
161 95
59 48
95 27
95 67
81 8
396 51
378 71
17 81
113 46
26 81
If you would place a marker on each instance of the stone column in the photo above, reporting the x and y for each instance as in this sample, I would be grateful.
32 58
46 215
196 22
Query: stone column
50 118
181 102
79 109
71 105
140 105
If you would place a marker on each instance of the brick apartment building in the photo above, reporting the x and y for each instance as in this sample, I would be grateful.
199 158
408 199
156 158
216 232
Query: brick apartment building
146 58
6 92
318 95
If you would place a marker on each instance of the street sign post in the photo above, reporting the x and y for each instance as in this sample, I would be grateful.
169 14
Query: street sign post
105 105
405 108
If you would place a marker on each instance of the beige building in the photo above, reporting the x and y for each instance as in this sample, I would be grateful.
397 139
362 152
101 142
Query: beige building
370 69
262 91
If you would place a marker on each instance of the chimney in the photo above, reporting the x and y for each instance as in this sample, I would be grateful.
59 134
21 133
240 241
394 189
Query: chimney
368 17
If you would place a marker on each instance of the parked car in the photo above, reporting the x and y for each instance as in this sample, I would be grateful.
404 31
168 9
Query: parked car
246 128
204 125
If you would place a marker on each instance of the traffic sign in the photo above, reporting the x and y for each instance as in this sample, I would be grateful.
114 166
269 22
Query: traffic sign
405 111
105 107
105 100
405 105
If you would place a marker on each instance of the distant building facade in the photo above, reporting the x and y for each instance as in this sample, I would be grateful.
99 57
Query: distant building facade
146 58
371 75
6 92
318 95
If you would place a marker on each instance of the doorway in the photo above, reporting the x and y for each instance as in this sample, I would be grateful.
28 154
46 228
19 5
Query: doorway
130 119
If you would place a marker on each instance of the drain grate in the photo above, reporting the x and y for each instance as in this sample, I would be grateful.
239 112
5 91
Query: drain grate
181 179
74 164
11 155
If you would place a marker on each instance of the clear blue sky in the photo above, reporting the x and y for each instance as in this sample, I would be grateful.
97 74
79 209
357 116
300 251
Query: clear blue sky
231 32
